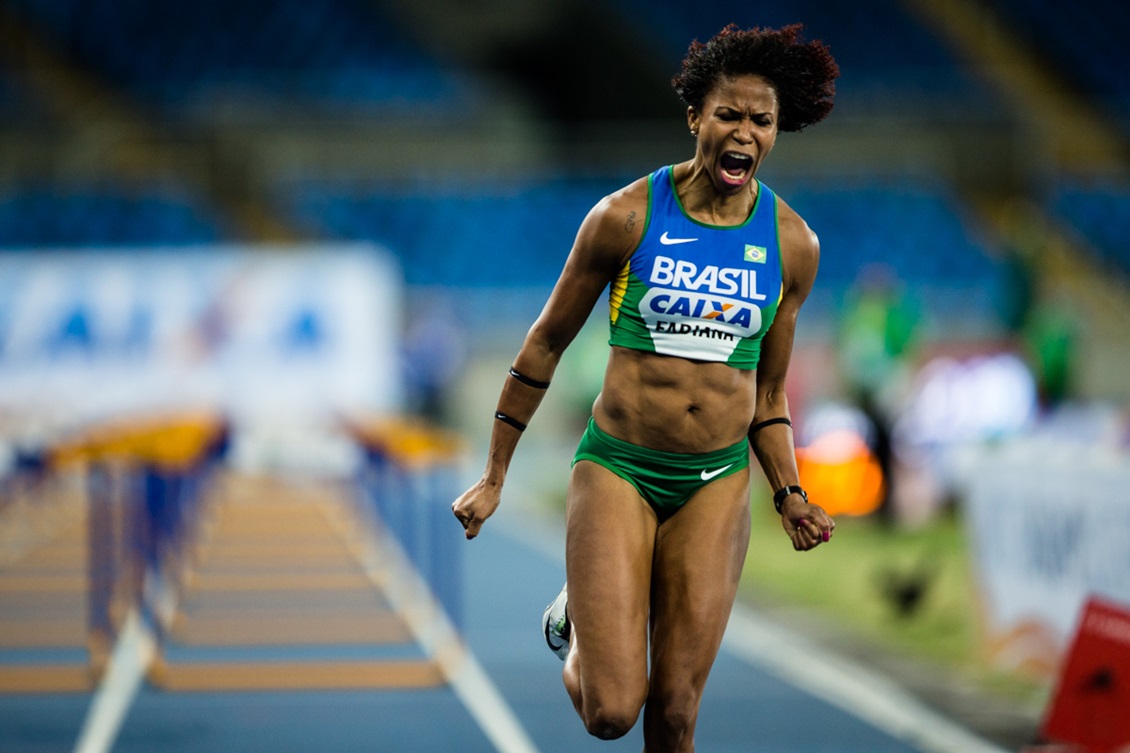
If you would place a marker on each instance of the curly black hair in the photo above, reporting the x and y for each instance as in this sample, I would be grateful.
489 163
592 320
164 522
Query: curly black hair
803 73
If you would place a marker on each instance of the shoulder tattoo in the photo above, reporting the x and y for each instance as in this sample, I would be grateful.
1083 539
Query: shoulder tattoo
630 223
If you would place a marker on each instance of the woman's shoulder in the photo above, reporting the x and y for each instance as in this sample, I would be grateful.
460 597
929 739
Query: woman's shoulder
796 235
623 201
618 219
800 248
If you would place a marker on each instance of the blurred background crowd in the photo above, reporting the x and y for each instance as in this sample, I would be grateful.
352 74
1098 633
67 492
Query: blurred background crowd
202 201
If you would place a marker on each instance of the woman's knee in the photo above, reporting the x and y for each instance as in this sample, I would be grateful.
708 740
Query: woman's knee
674 711
610 710
610 721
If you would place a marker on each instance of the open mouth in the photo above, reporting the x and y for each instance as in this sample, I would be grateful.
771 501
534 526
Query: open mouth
736 167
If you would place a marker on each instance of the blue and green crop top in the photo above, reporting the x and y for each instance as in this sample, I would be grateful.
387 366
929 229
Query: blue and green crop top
699 291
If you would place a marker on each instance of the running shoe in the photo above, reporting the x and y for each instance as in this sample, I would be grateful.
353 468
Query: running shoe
555 624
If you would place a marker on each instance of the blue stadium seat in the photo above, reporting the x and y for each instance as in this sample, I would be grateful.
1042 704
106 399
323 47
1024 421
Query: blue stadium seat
884 54
283 53
1099 210
918 231
90 215
440 231
1086 46
518 233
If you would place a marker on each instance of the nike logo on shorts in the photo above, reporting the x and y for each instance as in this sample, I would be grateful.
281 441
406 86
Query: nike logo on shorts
707 475
667 241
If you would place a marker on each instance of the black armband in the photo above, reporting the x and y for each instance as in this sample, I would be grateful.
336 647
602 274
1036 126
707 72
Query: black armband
537 384
781 494
769 422
499 415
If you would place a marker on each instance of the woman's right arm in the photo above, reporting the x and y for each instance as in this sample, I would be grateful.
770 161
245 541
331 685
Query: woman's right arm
604 242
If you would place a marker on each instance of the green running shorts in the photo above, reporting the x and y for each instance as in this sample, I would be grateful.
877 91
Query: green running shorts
666 480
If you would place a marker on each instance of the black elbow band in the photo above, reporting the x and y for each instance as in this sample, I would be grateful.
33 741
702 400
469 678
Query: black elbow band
528 381
769 422
499 415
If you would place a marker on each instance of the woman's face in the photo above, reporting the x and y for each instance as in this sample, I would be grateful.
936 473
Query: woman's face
736 129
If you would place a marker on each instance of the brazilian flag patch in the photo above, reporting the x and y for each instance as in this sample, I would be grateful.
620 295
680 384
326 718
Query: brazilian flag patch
755 254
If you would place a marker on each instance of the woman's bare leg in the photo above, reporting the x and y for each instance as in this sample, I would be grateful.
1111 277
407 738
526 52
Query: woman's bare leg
699 554
609 544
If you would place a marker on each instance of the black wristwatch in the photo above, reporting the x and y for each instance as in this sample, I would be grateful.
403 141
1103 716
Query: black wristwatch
785 491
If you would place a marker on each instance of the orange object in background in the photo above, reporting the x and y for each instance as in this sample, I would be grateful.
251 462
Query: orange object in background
840 474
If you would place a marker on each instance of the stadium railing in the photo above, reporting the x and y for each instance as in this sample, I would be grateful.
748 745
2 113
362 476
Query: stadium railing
407 483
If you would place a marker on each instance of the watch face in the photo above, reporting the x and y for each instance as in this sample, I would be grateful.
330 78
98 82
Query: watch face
780 495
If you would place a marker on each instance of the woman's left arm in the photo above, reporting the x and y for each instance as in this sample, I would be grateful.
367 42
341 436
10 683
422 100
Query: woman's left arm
772 441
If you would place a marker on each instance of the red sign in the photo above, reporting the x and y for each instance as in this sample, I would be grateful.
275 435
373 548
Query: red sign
1091 703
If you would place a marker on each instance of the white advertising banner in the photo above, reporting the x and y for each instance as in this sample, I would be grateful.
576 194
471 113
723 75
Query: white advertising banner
257 332
1049 529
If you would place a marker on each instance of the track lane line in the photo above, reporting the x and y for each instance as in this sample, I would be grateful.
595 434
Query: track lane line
845 684
132 656
410 596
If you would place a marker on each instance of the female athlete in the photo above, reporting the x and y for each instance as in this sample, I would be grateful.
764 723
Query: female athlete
707 270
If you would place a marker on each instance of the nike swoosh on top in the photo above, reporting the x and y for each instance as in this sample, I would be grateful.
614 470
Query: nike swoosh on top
672 241
707 475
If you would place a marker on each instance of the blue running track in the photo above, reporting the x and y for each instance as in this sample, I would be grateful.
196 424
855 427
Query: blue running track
510 572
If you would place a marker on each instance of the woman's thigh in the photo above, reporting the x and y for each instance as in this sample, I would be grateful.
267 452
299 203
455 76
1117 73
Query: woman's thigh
610 536
698 561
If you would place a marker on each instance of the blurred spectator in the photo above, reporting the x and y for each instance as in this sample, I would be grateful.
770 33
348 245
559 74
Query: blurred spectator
878 333
1050 339
434 355
1041 326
